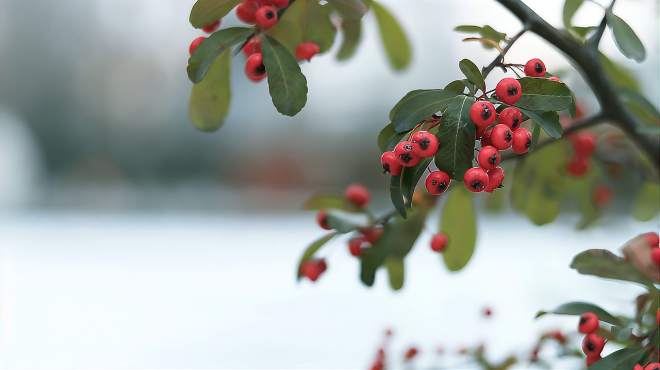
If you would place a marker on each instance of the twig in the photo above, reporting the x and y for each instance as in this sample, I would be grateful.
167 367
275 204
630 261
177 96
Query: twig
500 57
594 40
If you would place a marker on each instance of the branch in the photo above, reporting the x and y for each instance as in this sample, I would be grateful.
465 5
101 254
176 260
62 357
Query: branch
500 58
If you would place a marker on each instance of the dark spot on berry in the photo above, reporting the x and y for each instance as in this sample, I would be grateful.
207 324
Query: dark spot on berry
442 186
508 136
582 320
538 67
261 69
492 160
434 182
485 112
406 157
424 144
591 346
386 167
270 15
512 90
516 122
408 147
477 185
528 143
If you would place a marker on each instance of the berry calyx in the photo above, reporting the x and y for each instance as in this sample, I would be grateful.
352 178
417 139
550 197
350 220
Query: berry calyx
266 16
535 68
406 152
495 179
252 46
355 245
512 117
522 140
584 143
246 11
475 179
482 113
210 28
437 182
501 137
588 323
439 242
390 163
652 239
254 67
322 220
488 157
593 344
194 44
428 143
508 90
312 269
306 50
357 194
577 166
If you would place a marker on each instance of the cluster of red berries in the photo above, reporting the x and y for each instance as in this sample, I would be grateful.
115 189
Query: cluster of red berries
592 344
654 243
208 29
584 145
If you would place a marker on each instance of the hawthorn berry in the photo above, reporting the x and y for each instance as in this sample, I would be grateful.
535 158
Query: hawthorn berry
593 344
653 366
488 157
482 113
312 269
390 163
439 242
210 28
355 245
266 16
357 194
488 312
246 11
577 166
512 117
427 142
194 44
588 323
593 359
602 196
322 220
638 367
475 179
522 140
535 68
652 239
254 67
495 179
372 234
437 182
584 143
306 50
252 46
377 365
655 256
558 336
411 353
406 153
501 137
508 90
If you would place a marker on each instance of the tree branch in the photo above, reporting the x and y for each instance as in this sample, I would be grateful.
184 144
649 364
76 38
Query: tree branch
500 57
587 61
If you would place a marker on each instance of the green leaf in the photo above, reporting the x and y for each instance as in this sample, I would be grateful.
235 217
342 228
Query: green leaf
467 28
205 12
471 71
395 271
456 134
582 32
209 99
605 264
388 138
541 94
418 105
625 38
286 83
459 223
623 359
485 31
457 86
396 196
305 20
350 9
536 133
570 8
644 110
543 204
341 224
200 62
549 121
319 202
647 203
410 177
578 308
311 251
352 34
619 74
393 37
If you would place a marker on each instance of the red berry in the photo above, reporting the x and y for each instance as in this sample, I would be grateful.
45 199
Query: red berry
211 27
355 245
522 140
501 137
655 256
588 323
246 11
312 269
495 179
488 157
577 166
508 90
638 367
357 194
279 3
437 182
584 143
653 366
194 44
593 359
593 344
535 68
411 353
252 46
485 138
372 234
558 336
322 220
266 16
428 143
602 196
475 179
482 113
406 152
377 365
254 67
390 163
306 50
652 239
511 117
657 316
439 242
488 312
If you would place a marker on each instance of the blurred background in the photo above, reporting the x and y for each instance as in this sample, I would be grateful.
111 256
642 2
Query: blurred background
130 239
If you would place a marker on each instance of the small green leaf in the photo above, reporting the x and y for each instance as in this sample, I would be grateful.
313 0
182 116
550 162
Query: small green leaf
578 308
457 86
625 38
459 223
471 71
205 12
410 177
340 223
396 196
644 110
418 105
286 83
352 34
210 98
456 134
388 138
466 28
605 264
541 94
311 251
350 9
303 21
549 121
393 37
543 203
395 271
200 62
319 202
647 203
570 8
623 359
490 33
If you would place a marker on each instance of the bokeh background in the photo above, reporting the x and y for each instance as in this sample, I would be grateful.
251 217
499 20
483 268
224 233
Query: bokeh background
128 239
